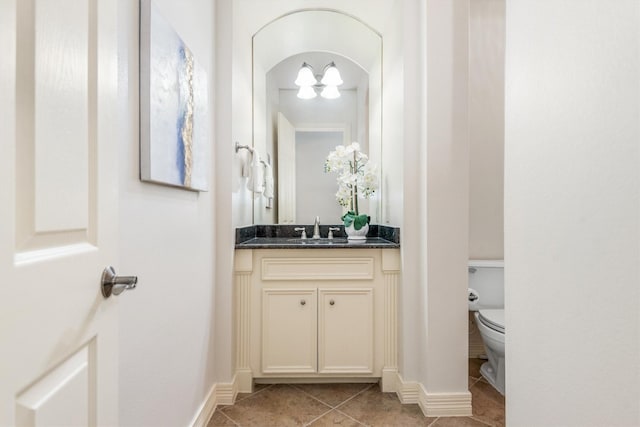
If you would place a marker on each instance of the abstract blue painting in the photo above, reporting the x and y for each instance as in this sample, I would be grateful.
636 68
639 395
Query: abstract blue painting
174 134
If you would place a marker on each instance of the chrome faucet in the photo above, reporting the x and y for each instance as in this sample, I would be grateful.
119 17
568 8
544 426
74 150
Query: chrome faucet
316 228
331 230
304 232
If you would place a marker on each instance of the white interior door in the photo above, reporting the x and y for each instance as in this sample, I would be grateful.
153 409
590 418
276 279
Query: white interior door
58 207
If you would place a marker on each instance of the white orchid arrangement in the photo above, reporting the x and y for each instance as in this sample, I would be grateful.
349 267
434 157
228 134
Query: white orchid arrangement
357 178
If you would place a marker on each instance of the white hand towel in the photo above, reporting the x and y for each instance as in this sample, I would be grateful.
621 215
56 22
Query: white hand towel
268 181
245 163
256 180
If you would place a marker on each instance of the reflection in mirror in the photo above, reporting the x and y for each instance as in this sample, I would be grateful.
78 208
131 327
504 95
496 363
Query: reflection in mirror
316 188
307 130
307 191
298 134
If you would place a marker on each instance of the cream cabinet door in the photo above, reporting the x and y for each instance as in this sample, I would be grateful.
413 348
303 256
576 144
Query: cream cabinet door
289 331
345 331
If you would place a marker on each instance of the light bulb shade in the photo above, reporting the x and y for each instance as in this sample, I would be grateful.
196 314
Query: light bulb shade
305 76
331 76
330 92
306 92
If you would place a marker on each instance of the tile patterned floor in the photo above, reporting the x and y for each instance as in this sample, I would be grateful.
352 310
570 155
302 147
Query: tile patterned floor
351 405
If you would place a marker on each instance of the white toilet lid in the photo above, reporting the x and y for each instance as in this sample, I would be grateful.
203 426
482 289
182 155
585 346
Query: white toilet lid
493 318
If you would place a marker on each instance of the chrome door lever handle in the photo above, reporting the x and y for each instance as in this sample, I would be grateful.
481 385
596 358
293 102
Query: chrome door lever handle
112 284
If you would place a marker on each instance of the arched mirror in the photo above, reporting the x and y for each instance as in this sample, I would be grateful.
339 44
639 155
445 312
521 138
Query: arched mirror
294 134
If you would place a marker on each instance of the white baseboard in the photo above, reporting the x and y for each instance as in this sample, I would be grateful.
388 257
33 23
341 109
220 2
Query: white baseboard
407 391
434 404
226 393
220 394
206 410
445 404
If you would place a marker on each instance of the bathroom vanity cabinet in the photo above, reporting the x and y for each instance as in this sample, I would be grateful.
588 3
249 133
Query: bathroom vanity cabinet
316 315
323 330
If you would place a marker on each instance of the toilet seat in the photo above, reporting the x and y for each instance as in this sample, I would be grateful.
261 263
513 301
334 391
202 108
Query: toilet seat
493 318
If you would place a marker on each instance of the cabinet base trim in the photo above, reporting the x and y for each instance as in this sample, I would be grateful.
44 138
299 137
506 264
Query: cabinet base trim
244 380
316 380
389 380
434 404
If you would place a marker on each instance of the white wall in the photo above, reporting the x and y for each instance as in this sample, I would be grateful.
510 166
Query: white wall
229 211
395 43
572 213
248 17
236 22
166 239
486 128
434 223
447 201
433 309
405 183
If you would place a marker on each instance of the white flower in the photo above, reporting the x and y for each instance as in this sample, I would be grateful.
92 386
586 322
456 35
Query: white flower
356 176
343 196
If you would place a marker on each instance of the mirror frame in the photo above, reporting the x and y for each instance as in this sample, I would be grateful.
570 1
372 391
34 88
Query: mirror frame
317 30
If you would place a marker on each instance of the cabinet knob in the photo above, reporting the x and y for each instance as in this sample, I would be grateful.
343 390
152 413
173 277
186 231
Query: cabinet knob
332 302
302 302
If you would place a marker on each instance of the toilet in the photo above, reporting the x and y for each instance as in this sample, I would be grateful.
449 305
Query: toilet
486 300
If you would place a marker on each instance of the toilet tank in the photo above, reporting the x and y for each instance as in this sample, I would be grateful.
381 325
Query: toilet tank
486 284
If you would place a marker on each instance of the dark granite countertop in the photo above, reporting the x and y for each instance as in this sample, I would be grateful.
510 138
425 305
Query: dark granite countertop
284 237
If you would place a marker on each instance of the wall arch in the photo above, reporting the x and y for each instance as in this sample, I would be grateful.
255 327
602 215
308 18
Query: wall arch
316 30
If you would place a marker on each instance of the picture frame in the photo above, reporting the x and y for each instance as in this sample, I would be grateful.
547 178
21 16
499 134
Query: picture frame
174 134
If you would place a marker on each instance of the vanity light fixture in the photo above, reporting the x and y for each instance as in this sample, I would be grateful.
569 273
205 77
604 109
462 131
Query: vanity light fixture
306 76
331 75
327 83
330 92
307 92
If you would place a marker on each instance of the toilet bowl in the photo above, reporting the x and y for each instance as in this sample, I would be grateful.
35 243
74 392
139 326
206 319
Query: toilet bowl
491 326
486 300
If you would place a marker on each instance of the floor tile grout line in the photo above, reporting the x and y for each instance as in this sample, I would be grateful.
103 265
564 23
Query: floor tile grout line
354 396
484 380
349 416
474 383
318 417
325 403
311 396
295 387
252 394
230 419
337 408
482 421
333 408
